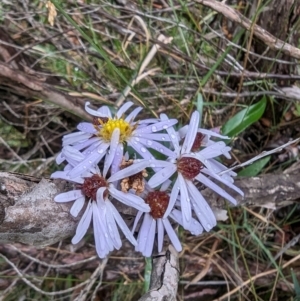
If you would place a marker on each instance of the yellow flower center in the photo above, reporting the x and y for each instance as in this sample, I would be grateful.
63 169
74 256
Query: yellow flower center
108 128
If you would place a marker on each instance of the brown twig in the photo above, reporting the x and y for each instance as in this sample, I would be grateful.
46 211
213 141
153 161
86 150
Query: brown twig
25 84
233 15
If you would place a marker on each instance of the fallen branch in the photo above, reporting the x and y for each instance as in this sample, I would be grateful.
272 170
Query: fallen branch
29 215
260 33
164 277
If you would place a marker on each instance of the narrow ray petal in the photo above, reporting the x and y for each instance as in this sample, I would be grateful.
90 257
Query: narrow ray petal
112 150
129 199
222 180
202 209
123 109
172 134
156 127
144 232
191 134
133 114
94 112
130 170
105 112
214 187
173 198
63 176
74 138
83 224
150 241
112 226
121 223
160 234
77 206
86 127
172 235
185 201
68 196
160 176
136 220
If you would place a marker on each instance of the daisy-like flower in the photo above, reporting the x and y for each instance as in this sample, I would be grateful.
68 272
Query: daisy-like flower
154 221
107 134
190 167
98 190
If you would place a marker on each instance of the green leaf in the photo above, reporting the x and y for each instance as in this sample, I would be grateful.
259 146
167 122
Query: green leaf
255 168
243 119
147 273
296 286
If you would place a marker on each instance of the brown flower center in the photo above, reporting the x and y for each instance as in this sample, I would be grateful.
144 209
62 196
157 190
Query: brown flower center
99 120
91 186
158 202
189 167
135 182
197 142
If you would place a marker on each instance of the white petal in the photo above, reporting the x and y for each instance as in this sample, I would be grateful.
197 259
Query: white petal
112 150
112 227
211 133
160 234
172 235
83 224
202 209
68 196
224 181
136 220
77 206
158 147
72 153
214 187
143 232
105 112
156 127
150 241
165 185
185 201
85 144
140 149
133 114
129 199
123 109
191 134
74 138
103 242
86 127
122 224
60 158
130 170
63 175
157 137
213 150
162 175
86 164
173 198
182 131
93 112
115 166
194 226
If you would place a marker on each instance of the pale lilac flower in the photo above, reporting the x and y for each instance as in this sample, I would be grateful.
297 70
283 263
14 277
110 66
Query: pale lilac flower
107 134
190 167
98 190
154 222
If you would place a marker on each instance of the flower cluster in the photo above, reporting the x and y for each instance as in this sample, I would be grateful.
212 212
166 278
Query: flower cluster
147 165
